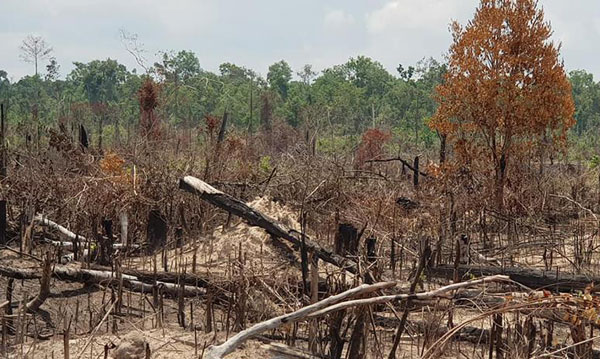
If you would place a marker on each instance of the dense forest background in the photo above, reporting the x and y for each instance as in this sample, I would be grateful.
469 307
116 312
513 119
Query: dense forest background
339 103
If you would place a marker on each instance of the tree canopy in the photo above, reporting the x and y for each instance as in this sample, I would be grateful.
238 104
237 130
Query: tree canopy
505 92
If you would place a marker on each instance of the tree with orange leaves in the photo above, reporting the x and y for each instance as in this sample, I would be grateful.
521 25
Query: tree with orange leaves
148 99
505 92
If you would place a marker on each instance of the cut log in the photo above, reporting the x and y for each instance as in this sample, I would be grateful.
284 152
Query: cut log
532 278
43 221
72 274
189 279
256 218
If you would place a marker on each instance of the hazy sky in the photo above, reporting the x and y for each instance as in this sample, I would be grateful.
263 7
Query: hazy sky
260 32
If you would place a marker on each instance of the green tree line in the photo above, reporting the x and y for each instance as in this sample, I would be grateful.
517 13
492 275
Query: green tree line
343 100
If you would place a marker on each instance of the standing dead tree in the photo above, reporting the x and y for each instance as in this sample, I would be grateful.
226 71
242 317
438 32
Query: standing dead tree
34 49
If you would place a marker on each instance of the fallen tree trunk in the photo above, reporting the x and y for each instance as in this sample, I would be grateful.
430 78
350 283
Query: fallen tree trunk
532 278
188 279
335 303
256 218
66 233
72 274
43 221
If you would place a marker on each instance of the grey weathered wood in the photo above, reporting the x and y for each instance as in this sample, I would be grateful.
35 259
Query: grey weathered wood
73 274
256 218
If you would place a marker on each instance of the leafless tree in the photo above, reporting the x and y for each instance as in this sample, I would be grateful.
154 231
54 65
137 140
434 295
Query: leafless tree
134 47
34 49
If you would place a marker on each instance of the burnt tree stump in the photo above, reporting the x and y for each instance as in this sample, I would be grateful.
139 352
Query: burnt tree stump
156 232
346 240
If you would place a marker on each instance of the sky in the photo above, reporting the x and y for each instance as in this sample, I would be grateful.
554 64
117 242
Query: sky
257 33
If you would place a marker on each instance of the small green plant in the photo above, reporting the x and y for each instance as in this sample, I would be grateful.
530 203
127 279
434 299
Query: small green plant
594 161
264 164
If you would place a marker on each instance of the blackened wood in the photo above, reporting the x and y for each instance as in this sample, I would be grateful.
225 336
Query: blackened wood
416 172
413 286
304 265
371 250
356 349
178 237
106 244
83 137
223 128
107 277
156 230
443 148
346 240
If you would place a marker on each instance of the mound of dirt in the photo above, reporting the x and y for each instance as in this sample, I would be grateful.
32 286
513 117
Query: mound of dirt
255 242
132 346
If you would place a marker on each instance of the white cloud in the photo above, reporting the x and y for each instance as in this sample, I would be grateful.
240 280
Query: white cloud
406 31
410 14
338 19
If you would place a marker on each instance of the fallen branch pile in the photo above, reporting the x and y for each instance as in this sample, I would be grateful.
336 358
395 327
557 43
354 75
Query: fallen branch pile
335 303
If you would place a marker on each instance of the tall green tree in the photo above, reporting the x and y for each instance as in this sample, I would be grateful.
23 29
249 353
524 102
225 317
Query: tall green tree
279 77
586 94
99 79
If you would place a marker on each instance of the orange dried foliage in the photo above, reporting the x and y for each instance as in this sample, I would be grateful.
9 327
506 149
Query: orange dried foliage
113 166
148 96
505 89
371 145
212 122
148 99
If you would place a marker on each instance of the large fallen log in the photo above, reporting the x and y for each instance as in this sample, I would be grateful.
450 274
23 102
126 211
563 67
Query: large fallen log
532 278
73 274
44 221
189 279
67 234
256 218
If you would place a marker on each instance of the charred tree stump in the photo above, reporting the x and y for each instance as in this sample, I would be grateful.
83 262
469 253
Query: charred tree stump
106 244
346 240
83 137
156 231
416 172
